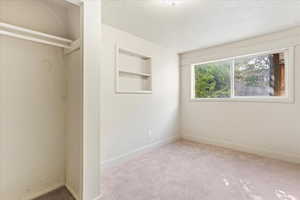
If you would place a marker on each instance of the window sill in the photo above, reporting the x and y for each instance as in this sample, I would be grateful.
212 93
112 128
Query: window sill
285 100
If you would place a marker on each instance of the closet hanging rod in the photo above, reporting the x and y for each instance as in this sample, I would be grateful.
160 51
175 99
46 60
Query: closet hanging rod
33 39
25 30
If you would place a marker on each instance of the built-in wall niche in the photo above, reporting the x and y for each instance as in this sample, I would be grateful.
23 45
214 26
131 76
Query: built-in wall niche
133 72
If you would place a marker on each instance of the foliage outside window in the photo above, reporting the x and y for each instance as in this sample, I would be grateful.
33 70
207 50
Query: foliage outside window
212 80
250 76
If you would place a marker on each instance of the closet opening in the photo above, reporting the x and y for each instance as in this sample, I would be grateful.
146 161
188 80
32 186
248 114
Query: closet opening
41 87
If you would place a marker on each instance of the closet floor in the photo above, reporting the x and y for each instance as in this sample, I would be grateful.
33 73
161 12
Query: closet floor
189 171
59 194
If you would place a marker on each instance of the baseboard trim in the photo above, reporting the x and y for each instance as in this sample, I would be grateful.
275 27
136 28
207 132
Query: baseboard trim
44 191
72 192
98 197
51 189
290 157
125 157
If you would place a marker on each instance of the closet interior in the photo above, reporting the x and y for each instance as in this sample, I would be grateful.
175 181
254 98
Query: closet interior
41 97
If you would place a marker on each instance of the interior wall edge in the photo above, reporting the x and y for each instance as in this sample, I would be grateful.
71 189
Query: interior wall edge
289 157
91 43
72 191
291 32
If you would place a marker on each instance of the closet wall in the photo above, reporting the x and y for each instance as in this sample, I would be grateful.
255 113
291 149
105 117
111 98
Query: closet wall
40 102
74 109
74 118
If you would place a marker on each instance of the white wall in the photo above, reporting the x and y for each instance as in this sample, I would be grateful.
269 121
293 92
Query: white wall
32 118
1 134
91 42
270 129
73 121
45 16
73 22
74 108
33 102
127 118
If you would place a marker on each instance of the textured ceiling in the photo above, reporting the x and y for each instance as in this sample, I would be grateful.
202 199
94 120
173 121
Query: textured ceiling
200 23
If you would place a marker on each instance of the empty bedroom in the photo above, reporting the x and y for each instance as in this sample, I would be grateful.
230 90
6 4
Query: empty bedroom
221 120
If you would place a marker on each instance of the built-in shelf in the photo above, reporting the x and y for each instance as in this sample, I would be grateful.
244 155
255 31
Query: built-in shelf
133 72
36 36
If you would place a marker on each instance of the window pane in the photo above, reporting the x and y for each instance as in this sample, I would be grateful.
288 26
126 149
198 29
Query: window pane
260 75
212 80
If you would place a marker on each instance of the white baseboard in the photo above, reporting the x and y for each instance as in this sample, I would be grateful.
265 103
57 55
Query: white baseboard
50 189
289 157
44 191
98 197
72 192
125 157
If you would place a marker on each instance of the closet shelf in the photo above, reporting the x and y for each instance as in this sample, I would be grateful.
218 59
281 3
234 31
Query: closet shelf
19 36
35 36
25 30
135 73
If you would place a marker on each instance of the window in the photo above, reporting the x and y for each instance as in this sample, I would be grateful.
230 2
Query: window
261 76
212 80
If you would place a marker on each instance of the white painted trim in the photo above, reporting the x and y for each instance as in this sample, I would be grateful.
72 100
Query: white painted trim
73 47
134 73
98 197
290 157
72 192
135 92
117 81
43 192
192 82
91 59
290 75
232 84
256 99
127 156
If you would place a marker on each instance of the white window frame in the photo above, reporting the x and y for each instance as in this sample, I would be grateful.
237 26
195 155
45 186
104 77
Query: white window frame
289 80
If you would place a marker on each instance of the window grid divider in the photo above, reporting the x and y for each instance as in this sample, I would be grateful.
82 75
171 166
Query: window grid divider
232 67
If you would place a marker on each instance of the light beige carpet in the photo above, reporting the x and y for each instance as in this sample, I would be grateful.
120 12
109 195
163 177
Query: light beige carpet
189 171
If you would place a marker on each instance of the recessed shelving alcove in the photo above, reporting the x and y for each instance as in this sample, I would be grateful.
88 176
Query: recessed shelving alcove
133 72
